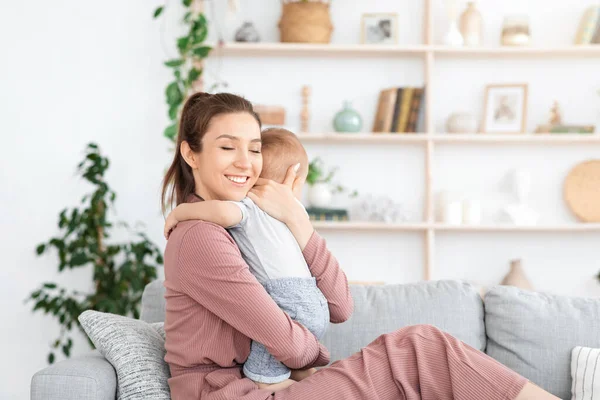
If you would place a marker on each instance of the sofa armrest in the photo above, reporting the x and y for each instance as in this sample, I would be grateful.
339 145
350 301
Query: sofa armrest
86 377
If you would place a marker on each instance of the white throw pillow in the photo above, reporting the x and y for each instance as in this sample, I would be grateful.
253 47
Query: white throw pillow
136 349
584 371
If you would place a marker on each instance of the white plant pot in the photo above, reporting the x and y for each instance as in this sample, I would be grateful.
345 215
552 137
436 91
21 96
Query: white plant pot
320 195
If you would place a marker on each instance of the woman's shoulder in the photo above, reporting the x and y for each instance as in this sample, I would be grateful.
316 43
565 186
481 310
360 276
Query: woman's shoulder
198 233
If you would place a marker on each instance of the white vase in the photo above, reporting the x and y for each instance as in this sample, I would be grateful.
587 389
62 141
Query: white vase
453 37
319 195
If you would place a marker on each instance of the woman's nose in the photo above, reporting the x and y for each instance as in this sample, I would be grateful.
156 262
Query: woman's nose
242 161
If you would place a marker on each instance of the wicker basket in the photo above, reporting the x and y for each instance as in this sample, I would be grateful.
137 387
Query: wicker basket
305 22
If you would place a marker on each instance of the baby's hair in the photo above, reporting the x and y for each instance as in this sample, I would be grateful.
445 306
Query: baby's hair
281 148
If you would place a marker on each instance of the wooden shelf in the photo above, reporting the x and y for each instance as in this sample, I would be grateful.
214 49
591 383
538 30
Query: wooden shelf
399 227
476 138
362 50
567 51
367 137
526 138
317 50
367 226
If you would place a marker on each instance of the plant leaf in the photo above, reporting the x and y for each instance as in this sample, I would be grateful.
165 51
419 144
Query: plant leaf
51 358
158 11
171 132
187 3
173 93
182 43
50 285
178 62
202 51
40 249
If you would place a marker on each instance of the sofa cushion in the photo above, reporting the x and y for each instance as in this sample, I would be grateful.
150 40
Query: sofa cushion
535 333
135 349
153 302
452 306
584 371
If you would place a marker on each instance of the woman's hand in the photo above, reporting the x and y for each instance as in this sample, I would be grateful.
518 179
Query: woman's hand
278 200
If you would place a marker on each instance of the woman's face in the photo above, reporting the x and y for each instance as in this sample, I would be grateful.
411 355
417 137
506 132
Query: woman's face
230 161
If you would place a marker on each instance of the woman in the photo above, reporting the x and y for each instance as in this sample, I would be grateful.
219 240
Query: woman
215 307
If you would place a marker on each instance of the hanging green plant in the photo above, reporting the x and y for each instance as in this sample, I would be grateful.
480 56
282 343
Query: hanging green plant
120 270
186 68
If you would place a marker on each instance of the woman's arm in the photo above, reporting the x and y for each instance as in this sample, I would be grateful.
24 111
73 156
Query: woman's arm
222 213
213 273
331 280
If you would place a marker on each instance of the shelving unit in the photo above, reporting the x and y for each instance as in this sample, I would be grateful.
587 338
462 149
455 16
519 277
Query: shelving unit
428 52
411 227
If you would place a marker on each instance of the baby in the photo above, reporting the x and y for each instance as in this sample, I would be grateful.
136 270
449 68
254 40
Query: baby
272 253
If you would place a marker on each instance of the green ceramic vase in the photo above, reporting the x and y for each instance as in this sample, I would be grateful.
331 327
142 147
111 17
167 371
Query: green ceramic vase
347 120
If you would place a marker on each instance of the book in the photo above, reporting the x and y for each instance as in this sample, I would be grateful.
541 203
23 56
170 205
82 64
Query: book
385 110
327 214
397 109
414 110
404 109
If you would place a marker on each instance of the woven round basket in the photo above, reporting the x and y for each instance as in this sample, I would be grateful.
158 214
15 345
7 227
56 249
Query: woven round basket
582 191
308 22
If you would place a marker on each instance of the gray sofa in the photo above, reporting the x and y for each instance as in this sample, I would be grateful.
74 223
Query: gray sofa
531 333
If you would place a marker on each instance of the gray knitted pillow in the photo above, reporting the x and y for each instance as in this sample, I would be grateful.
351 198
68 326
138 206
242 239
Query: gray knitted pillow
136 349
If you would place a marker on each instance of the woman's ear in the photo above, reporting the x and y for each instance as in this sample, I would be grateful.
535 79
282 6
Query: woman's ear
188 155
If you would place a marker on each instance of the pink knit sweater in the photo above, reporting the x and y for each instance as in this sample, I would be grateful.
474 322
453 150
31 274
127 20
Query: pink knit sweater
215 306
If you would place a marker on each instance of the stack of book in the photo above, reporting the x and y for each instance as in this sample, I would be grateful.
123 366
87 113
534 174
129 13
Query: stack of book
400 110
589 27
327 214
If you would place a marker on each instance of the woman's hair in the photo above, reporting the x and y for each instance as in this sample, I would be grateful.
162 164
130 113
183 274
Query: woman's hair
198 111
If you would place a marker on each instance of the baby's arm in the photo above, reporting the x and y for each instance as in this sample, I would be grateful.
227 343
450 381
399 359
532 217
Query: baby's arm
223 213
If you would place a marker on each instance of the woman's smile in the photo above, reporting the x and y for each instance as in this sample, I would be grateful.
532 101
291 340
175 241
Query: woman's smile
237 180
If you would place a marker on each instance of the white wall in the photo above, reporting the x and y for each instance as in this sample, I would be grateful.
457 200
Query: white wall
73 72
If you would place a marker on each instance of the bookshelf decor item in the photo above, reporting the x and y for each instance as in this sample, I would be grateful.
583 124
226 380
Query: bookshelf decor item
305 22
505 108
347 119
471 26
582 191
379 28
515 31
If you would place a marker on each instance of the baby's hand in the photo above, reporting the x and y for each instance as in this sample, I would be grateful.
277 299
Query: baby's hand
170 223
300 374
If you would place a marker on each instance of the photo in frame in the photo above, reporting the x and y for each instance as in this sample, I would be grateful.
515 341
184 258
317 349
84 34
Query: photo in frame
379 28
505 108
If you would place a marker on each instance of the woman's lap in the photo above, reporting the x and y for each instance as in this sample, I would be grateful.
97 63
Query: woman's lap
417 362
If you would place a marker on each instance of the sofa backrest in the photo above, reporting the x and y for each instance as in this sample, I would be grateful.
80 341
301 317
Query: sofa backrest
535 333
452 306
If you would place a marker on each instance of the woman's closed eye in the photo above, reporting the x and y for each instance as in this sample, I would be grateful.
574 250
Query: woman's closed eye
227 148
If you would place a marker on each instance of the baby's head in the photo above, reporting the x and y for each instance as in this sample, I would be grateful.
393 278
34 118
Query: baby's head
280 149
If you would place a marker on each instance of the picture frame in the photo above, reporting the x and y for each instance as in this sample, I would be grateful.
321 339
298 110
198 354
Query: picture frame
379 28
505 108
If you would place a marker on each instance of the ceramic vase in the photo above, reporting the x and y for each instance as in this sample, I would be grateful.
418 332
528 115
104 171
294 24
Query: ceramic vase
471 25
347 120
516 276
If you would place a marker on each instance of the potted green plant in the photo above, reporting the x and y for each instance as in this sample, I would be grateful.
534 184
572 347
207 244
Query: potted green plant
120 271
320 192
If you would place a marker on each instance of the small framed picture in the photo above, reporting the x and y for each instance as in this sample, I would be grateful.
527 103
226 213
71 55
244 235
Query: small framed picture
505 108
379 28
